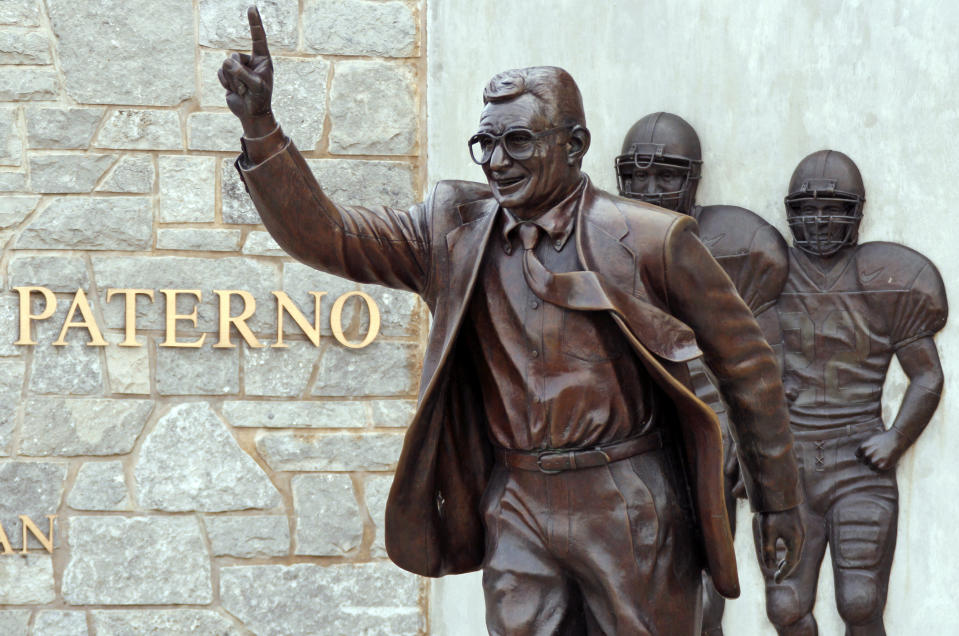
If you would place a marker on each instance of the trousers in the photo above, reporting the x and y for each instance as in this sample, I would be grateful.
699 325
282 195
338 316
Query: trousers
609 549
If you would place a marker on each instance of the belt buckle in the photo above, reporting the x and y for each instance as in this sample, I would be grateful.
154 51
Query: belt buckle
548 453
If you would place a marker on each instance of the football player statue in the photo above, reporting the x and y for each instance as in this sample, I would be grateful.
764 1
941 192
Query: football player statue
845 310
661 163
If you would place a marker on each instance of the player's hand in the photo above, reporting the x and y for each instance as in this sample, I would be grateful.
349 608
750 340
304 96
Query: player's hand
248 80
785 525
882 450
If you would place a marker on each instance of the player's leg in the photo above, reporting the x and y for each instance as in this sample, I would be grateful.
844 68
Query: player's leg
526 590
863 540
789 603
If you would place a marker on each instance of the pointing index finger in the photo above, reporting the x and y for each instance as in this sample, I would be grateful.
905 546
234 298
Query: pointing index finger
257 33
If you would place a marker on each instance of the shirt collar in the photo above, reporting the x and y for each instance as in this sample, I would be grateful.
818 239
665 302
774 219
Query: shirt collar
558 222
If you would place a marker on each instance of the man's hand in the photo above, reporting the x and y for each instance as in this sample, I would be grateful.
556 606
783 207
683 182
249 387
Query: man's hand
248 80
882 450
787 525
733 474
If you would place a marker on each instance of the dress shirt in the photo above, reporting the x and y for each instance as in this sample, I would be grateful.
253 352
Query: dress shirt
550 377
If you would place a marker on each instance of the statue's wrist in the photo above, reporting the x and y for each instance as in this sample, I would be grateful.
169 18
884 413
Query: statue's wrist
258 126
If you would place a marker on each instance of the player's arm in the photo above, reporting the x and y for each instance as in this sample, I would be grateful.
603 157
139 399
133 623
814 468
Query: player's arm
374 245
920 362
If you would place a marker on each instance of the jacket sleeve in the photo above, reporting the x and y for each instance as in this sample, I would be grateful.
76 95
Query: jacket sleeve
701 294
379 245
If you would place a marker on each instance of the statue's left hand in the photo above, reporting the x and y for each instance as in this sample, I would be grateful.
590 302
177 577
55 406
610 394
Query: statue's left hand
882 450
787 525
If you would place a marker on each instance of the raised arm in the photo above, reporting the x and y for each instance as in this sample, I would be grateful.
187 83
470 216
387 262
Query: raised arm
371 245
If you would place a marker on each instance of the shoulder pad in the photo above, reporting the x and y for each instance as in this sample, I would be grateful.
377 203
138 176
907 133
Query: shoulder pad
883 266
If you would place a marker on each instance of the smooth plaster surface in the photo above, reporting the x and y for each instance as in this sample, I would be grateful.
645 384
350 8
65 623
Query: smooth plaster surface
764 84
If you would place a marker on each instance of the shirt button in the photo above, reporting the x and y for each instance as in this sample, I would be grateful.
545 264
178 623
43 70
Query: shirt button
534 353
534 304
558 244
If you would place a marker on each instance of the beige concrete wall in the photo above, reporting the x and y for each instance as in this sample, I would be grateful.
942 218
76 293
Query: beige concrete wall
764 83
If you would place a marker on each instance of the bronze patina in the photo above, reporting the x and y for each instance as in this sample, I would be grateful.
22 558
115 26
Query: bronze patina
557 444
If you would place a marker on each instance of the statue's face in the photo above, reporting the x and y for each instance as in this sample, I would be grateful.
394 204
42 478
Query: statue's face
823 227
656 183
528 187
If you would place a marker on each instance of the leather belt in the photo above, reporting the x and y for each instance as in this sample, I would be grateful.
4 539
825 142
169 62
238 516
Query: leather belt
556 460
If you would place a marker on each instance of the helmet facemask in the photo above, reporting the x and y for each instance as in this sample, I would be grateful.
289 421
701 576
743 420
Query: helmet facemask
645 156
819 233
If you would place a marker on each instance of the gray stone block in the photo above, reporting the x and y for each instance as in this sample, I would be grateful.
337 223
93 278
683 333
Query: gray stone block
11 387
328 521
26 580
369 598
260 243
13 182
393 412
299 280
203 371
223 23
300 98
57 127
174 622
136 561
129 129
91 223
373 108
190 461
279 372
184 272
237 207
359 27
9 325
20 12
198 240
377 490
133 174
15 209
249 536
100 486
128 368
380 369
296 414
399 312
23 47
130 39
187 189
56 273
85 426
60 623
28 84
33 489
329 451
366 182
11 147
14 622
72 369
67 173
214 131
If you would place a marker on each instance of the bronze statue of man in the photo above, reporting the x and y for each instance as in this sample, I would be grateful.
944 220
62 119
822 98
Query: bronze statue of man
846 309
556 443
661 163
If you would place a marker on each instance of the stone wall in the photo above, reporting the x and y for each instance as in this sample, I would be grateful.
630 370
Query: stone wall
198 490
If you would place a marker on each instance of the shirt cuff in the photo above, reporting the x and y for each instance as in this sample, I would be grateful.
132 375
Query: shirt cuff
256 150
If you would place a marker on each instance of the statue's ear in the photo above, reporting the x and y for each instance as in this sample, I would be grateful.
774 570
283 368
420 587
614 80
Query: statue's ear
578 144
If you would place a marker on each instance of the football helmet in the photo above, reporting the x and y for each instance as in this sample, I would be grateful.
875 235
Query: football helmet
823 178
660 142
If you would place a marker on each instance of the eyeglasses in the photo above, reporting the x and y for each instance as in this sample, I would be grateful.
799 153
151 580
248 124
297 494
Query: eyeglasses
518 143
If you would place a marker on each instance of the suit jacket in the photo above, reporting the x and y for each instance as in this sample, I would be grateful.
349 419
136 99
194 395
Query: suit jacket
665 292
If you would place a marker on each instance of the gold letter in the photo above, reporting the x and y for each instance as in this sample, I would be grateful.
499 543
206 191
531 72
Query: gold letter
283 302
130 313
5 542
89 322
336 320
249 306
172 317
46 542
26 316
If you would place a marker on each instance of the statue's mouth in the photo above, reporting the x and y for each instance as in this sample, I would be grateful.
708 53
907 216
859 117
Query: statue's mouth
509 183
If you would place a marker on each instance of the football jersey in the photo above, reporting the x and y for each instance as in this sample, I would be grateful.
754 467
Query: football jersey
842 320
